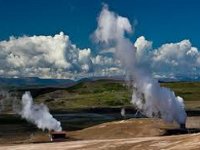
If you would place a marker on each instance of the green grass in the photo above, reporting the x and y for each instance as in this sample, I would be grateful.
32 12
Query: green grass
102 93
190 91
107 93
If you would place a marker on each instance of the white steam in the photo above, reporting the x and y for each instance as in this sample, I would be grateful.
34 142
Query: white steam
148 96
38 114
8 101
4 99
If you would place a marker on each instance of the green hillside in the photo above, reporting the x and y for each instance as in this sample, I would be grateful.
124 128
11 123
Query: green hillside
107 93
102 93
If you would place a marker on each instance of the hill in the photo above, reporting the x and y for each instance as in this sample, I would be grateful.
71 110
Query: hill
110 93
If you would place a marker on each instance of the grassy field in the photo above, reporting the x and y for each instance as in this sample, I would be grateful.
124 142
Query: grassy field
189 91
110 93
102 93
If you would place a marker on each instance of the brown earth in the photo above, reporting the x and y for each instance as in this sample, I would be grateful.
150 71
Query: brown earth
179 142
120 135
123 129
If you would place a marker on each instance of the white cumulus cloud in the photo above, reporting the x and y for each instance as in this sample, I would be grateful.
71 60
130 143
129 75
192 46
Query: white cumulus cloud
43 56
57 57
179 58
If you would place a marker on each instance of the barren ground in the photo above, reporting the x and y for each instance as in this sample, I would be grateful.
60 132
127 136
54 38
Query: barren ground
181 142
120 135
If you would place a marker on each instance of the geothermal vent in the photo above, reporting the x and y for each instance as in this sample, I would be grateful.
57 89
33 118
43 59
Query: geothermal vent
57 136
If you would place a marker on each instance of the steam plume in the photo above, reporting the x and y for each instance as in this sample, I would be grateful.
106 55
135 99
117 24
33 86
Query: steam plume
8 101
4 98
148 96
38 114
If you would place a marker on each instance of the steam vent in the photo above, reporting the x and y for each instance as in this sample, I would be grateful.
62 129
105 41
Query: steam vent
57 136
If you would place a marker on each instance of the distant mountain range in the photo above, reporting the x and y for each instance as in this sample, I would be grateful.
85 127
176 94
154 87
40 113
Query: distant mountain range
35 82
180 79
32 82
38 82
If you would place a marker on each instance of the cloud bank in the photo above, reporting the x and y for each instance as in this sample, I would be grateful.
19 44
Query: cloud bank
57 57
50 57
179 58
43 56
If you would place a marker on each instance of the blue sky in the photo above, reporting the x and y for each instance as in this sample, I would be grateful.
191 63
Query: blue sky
160 21
63 46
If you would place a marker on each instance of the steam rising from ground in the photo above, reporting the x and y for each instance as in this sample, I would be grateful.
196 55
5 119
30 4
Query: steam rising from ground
4 99
9 101
38 114
148 96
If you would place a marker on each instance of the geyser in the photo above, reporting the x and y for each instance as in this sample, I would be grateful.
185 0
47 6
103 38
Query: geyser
38 114
148 96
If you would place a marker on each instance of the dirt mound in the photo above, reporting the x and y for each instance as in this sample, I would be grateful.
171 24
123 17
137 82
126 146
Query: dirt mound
124 129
